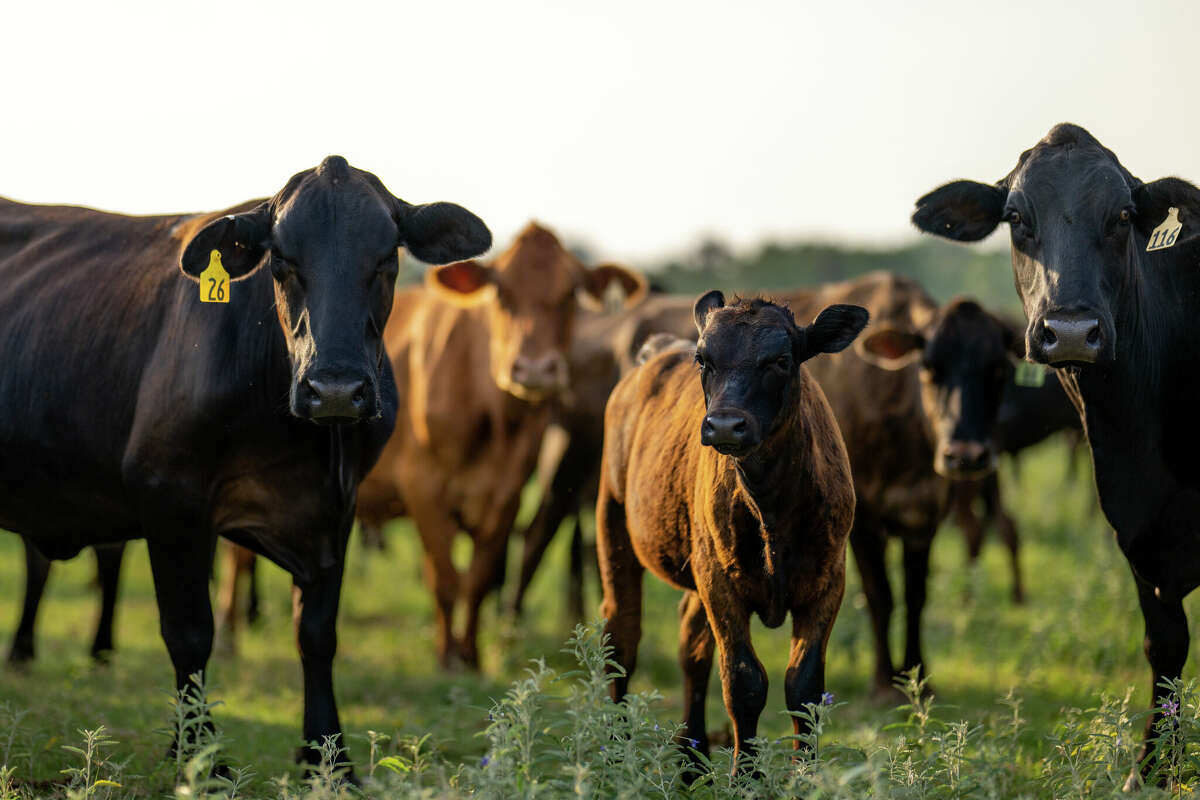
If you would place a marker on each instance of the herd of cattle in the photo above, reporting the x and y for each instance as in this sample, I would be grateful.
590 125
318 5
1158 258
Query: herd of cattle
727 447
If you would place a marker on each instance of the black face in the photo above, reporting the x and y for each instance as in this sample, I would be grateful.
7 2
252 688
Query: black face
965 367
330 239
749 355
1079 223
965 363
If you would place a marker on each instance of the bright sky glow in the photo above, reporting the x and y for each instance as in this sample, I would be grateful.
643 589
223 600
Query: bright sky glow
634 126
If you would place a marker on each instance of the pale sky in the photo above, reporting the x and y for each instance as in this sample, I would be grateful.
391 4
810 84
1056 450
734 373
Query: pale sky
634 126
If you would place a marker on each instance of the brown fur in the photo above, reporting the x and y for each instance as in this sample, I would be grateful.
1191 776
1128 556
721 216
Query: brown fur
467 433
686 513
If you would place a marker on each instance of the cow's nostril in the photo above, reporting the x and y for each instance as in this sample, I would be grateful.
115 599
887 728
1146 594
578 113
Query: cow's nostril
739 426
1093 337
358 397
1048 335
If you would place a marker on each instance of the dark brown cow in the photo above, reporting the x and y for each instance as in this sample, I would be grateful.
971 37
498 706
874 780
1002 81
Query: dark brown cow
731 483
478 353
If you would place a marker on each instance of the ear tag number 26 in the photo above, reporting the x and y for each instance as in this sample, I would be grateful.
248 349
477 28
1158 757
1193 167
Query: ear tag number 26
1165 234
214 281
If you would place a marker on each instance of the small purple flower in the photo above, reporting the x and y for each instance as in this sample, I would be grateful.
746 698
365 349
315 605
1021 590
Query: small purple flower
483 762
1170 707
601 748
694 742
656 726
826 698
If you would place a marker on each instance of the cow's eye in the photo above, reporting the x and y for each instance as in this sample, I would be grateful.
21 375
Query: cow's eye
1013 217
782 363
700 361
1125 216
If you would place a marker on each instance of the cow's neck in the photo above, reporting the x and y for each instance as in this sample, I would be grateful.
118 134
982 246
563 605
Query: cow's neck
1138 409
772 477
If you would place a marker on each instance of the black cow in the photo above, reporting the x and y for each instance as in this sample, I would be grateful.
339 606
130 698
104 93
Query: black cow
1105 265
130 409
37 572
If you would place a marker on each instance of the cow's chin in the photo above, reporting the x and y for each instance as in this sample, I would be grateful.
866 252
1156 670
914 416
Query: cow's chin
530 394
957 474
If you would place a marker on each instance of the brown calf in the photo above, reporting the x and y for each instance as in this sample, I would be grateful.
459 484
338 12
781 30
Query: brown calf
730 482
477 353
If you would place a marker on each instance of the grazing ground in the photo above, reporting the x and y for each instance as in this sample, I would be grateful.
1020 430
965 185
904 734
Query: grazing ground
1077 638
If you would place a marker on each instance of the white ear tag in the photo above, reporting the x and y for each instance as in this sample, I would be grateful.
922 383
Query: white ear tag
1165 234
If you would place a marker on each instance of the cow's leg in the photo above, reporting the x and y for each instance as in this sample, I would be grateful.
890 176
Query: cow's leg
179 562
621 580
743 679
108 574
437 531
1008 533
314 614
537 537
695 657
805 678
916 578
250 567
1166 646
575 602
37 571
485 574
962 497
869 542
227 598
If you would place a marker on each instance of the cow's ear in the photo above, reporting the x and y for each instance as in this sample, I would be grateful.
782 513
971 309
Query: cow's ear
963 210
241 239
834 329
1153 201
464 283
439 233
605 285
890 347
707 304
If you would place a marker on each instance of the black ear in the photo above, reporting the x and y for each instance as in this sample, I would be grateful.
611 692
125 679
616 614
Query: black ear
706 304
834 329
440 233
242 240
1153 200
962 210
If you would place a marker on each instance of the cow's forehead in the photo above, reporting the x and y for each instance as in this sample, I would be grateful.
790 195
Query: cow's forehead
735 331
347 213
965 330
537 267
1076 174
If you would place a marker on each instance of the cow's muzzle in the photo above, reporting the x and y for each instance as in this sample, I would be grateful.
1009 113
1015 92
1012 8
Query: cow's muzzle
732 433
1062 338
966 460
334 399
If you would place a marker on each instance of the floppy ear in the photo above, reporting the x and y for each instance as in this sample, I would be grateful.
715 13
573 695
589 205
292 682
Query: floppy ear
1152 201
834 329
464 283
704 306
242 240
603 281
439 233
963 210
890 347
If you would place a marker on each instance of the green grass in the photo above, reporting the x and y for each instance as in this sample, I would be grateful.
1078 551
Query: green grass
1077 638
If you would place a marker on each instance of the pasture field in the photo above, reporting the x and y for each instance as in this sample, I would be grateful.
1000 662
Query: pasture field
1077 640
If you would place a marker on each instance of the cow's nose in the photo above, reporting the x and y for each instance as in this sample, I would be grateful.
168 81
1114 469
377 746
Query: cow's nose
540 372
1070 338
967 458
727 432
336 399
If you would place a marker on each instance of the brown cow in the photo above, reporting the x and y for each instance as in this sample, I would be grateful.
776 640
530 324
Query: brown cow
748 517
477 355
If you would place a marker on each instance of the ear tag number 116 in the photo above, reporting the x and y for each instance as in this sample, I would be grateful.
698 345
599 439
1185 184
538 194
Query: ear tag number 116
214 281
1165 234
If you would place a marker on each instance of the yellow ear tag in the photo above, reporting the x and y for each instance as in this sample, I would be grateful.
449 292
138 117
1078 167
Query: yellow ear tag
214 281
1165 234
1029 375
